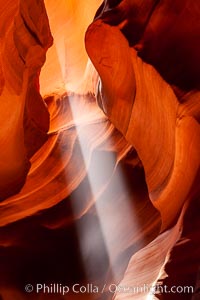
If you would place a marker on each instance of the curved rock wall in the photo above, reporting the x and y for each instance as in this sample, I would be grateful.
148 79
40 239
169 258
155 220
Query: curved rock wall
99 188
138 100
25 38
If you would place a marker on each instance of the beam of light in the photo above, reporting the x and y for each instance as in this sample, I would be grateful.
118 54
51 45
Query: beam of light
67 59
112 209
115 214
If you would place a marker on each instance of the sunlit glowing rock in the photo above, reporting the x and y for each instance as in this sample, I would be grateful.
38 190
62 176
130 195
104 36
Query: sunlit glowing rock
104 181
67 58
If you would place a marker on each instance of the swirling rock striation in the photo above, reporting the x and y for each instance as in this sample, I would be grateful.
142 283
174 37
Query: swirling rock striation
143 106
148 88
104 194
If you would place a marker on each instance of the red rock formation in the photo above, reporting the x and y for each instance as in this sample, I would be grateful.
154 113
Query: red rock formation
148 117
140 103
99 188
25 37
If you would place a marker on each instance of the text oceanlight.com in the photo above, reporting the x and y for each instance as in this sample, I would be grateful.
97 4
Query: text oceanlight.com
57 288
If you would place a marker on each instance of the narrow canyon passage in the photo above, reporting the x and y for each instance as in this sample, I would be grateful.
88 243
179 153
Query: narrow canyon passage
99 160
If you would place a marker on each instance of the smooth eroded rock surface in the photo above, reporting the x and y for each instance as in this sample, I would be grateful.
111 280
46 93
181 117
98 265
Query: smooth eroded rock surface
99 159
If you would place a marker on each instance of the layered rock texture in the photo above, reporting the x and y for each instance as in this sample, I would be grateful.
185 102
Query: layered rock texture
25 37
99 160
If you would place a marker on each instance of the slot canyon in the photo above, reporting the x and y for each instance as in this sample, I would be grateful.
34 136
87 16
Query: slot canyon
99 150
